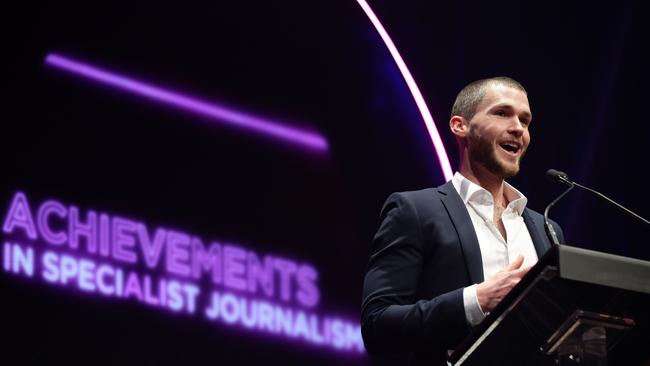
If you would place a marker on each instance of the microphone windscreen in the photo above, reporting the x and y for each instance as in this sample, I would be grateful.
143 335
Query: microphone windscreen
556 175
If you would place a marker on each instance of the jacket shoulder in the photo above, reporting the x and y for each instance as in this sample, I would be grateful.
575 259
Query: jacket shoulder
416 195
416 200
538 217
423 196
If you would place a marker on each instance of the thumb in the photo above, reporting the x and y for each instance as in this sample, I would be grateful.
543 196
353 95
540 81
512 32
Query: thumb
516 263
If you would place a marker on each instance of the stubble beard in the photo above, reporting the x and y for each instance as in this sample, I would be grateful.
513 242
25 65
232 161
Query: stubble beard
484 152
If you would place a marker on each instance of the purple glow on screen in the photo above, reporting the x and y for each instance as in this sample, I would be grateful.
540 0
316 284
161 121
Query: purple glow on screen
215 112
415 91
105 255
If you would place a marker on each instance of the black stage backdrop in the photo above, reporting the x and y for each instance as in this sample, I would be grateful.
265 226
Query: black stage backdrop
320 66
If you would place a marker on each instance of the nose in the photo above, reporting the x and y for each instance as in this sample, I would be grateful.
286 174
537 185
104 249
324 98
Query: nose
516 128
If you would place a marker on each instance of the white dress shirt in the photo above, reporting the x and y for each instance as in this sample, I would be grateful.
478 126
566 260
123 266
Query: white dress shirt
496 252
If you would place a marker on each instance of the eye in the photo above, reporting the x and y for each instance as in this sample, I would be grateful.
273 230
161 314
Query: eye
500 112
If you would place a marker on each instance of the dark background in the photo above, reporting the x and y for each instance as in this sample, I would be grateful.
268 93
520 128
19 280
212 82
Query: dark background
318 65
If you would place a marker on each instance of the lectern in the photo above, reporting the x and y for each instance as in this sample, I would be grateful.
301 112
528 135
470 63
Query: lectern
574 307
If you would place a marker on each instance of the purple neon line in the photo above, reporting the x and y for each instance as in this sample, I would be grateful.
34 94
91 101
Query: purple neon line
218 113
415 91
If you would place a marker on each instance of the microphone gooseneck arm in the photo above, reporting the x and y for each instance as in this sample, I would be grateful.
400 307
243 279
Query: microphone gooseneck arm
611 201
563 178
550 231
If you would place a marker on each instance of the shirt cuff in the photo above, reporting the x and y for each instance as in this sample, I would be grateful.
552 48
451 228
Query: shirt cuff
473 312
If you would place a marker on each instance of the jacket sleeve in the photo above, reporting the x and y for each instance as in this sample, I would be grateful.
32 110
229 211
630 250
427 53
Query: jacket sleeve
393 318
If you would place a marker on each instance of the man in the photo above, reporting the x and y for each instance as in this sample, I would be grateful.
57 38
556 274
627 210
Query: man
444 257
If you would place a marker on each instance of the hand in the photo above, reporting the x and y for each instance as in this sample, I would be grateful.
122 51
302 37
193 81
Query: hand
491 291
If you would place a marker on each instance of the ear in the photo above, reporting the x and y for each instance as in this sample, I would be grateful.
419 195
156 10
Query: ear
458 126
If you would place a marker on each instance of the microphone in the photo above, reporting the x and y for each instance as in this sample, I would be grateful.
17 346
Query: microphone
564 178
561 177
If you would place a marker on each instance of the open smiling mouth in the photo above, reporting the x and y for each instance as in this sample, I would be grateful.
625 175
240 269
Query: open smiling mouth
512 148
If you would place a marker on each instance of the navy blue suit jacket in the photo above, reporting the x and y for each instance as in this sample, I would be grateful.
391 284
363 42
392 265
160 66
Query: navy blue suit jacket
423 255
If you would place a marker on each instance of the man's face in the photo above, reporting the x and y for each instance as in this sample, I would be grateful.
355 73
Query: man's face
498 132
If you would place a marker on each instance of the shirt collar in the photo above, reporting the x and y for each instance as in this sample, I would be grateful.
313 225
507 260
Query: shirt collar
472 192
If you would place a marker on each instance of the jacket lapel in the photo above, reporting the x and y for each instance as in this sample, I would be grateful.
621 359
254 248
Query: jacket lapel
465 230
540 241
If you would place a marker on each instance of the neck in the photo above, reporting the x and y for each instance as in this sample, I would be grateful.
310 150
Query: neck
478 174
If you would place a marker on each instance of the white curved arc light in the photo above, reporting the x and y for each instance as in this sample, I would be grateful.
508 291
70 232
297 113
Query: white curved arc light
415 91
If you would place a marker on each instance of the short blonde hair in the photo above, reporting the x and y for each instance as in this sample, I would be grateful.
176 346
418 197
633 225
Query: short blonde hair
471 95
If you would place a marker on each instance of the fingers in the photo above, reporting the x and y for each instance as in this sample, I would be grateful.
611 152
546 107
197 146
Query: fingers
522 271
516 264
494 289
